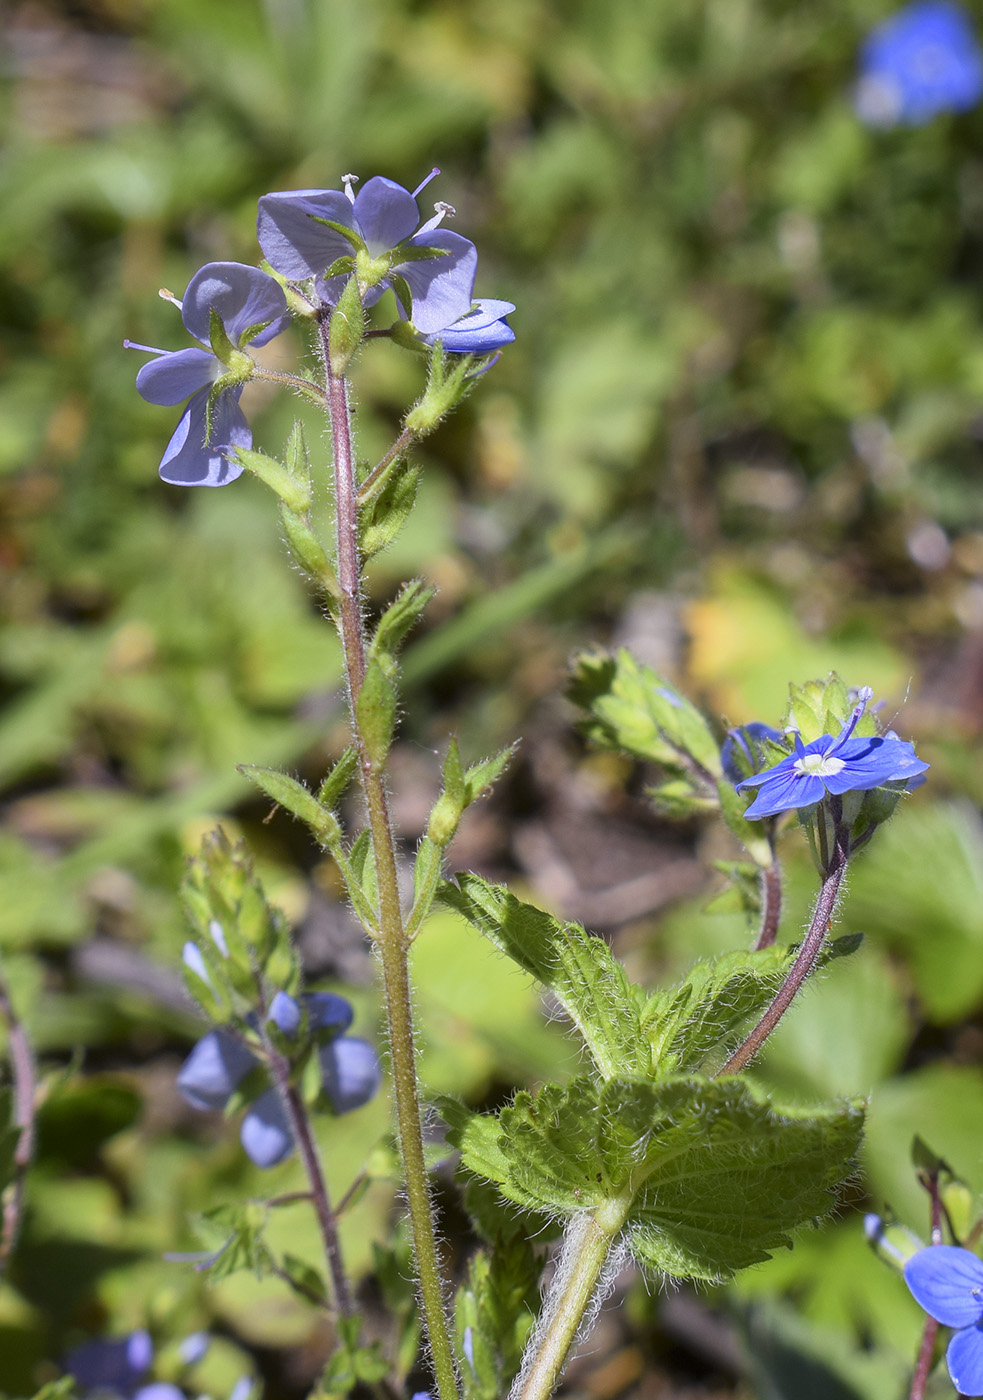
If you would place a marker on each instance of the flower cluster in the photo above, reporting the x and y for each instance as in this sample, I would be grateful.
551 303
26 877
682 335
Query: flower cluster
922 61
831 765
220 1062
947 1282
320 239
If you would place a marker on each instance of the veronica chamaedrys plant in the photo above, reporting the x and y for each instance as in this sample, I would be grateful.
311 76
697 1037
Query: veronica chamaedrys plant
227 307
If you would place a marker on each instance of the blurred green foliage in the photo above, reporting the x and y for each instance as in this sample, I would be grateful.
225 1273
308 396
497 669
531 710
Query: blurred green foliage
746 395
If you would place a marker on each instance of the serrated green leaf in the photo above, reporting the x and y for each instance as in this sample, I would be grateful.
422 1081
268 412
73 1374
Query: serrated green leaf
399 618
717 1175
738 1175
578 968
478 1136
289 793
631 708
376 710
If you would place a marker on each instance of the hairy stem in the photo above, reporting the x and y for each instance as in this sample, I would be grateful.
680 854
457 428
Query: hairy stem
923 1366
24 1070
771 904
393 945
379 470
822 917
586 1245
327 1222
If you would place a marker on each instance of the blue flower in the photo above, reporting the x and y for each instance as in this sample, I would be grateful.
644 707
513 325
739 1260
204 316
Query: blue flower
922 61
218 1064
832 765
479 331
115 1367
948 1283
385 237
252 309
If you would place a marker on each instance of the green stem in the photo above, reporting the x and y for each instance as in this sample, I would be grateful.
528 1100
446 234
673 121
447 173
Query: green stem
586 1245
393 944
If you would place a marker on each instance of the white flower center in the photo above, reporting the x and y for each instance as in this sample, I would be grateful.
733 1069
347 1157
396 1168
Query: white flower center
818 765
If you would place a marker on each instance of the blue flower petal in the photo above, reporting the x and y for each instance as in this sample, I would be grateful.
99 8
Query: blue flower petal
385 214
328 1012
441 287
740 740
243 297
921 61
114 1364
350 1072
176 375
285 1013
293 241
187 461
479 332
213 1070
783 791
159 1390
965 1360
948 1283
265 1133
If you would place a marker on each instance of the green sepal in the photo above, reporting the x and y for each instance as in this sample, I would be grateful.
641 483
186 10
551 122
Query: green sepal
348 234
303 1278
400 617
375 710
461 787
346 329
238 1229
294 796
360 879
339 779
717 1176
295 492
309 552
351 1362
632 709
578 968
218 337
449 381
381 520
416 252
427 870
823 707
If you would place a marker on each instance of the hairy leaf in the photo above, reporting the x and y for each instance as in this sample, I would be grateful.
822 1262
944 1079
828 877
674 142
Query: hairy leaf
578 967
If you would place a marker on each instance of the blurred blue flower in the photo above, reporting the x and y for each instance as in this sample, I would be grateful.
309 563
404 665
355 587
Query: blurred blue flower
115 1367
252 309
742 747
832 765
478 332
922 61
383 222
948 1283
350 1072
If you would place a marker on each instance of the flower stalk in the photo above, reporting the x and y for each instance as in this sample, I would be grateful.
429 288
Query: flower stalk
393 943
